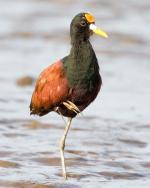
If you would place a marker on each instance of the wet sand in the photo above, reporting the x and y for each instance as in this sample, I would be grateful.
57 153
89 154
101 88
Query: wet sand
109 145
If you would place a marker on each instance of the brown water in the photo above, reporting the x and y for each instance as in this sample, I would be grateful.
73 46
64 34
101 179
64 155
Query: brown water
109 146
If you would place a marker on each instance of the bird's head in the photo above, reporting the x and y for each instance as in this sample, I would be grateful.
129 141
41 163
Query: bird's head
83 25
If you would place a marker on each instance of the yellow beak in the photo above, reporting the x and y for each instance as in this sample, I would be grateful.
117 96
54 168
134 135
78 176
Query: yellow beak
98 31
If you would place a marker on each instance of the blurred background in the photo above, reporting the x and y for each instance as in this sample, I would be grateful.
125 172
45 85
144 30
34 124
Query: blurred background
34 34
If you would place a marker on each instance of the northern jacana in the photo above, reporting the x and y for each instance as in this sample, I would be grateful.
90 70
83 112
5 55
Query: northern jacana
69 85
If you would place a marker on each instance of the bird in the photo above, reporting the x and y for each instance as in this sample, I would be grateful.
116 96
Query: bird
70 84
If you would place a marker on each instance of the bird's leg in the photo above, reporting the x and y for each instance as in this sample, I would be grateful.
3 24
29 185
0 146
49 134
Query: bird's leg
62 147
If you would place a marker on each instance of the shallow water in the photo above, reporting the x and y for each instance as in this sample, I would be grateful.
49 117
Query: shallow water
109 145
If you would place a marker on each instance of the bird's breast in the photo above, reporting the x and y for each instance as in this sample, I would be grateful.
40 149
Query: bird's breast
82 75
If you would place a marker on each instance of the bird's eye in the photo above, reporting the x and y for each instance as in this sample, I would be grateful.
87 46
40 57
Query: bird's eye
83 23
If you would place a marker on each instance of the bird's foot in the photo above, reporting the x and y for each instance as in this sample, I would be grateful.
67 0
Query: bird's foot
71 106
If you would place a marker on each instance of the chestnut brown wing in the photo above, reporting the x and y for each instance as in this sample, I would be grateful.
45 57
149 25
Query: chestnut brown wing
51 89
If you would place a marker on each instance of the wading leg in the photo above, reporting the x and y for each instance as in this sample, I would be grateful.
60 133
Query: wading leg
62 147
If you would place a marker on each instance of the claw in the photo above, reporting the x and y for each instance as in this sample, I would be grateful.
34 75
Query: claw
71 106
74 106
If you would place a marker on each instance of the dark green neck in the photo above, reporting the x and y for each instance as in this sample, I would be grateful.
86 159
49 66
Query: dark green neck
81 65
